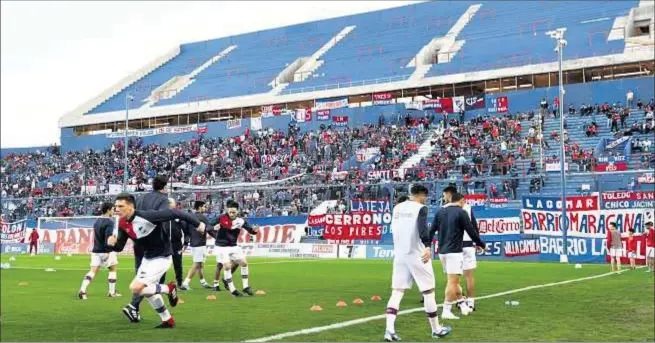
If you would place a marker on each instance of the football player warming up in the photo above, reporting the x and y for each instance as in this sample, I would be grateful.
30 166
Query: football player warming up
102 254
412 261
144 228
227 251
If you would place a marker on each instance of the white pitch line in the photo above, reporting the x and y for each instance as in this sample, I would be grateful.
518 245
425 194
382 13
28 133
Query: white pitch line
78 269
417 309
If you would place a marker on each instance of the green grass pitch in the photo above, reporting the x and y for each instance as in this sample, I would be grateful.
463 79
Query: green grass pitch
616 307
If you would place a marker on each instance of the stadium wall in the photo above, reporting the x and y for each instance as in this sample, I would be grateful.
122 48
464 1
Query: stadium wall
596 92
6 151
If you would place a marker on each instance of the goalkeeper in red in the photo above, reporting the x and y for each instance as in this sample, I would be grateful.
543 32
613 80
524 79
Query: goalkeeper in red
227 251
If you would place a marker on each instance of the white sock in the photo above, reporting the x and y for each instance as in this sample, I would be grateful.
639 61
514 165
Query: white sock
203 282
216 283
186 282
228 278
86 281
154 289
448 307
244 276
392 310
157 303
471 302
430 305
112 282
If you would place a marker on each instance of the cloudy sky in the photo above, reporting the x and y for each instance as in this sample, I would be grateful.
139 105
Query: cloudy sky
57 55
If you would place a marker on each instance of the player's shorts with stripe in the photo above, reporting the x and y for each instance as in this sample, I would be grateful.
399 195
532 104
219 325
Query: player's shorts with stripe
227 254
650 252
470 259
632 254
615 252
152 269
452 263
104 260
199 254
410 269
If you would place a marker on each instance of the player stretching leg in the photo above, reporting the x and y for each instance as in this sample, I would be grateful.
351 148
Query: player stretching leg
227 251
615 247
198 247
412 262
144 228
217 275
102 254
451 222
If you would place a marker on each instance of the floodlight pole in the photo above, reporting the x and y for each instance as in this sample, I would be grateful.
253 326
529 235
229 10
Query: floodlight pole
128 99
558 35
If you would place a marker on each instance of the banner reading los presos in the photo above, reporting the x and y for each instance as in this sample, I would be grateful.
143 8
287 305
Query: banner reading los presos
586 218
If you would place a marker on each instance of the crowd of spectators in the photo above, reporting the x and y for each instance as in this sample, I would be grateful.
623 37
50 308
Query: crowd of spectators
464 151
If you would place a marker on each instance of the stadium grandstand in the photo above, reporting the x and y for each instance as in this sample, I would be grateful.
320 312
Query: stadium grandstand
442 92
518 105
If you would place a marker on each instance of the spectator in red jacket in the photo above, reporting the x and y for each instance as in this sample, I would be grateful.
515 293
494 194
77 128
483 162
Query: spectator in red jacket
632 248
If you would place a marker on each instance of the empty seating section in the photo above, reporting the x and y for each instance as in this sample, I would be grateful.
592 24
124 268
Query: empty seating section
509 33
191 57
383 43
257 60
500 34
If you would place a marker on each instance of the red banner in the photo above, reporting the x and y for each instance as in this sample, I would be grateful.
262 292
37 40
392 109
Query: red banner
316 220
498 105
383 98
359 225
202 129
340 120
612 166
475 199
308 114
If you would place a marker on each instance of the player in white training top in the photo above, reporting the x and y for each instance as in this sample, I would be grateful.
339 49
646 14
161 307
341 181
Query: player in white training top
412 261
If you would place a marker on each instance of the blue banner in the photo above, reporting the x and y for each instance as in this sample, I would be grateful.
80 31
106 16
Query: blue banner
24 248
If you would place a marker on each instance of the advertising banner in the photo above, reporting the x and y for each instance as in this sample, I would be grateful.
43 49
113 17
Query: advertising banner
155 132
329 104
270 111
458 104
24 248
611 166
383 98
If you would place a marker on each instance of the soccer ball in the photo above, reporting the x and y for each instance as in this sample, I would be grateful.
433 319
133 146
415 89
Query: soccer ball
578 266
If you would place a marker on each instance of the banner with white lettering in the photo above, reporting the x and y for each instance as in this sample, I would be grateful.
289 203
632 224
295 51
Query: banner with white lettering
158 131
323 115
329 104
383 98
256 123
233 124
13 232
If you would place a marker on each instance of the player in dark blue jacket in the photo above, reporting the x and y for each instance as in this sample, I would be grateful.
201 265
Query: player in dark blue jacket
145 229
102 255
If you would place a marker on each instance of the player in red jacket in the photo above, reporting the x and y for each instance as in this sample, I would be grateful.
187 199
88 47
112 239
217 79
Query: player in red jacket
34 240
650 246
632 248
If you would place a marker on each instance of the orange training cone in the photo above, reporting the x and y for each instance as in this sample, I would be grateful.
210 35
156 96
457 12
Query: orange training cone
211 297
342 303
376 298
22 283
180 301
316 308
358 301
260 292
